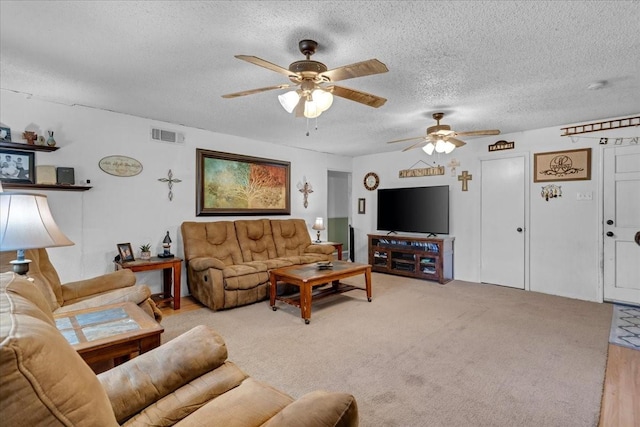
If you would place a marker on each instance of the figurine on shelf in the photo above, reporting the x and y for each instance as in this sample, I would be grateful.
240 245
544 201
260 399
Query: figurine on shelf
166 247
50 141
30 136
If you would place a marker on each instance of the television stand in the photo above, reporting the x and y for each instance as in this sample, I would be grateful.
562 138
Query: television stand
424 258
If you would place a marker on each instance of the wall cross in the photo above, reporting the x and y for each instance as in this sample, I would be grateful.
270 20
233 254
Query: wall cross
305 189
465 177
170 180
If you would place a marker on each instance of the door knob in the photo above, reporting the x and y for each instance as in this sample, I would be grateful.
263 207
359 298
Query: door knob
519 229
610 233
609 222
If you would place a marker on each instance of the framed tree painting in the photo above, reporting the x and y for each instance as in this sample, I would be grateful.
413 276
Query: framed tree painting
569 165
233 184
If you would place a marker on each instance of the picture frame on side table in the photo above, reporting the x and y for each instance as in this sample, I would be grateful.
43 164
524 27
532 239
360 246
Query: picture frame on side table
17 166
568 165
233 184
126 252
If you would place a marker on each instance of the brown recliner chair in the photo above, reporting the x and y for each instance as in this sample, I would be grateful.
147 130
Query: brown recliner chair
187 381
110 288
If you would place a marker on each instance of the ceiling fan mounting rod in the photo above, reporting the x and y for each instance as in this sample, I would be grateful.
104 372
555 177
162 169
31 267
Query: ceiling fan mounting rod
307 47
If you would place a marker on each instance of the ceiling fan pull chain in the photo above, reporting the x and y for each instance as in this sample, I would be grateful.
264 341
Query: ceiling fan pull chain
316 123
307 126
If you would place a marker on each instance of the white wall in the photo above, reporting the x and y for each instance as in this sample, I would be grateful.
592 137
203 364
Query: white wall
565 245
137 209
565 252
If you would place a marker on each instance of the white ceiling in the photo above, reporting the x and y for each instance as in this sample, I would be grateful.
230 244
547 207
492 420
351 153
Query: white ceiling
502 65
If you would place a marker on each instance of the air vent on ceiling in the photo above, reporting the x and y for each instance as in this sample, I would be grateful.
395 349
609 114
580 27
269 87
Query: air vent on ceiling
165 135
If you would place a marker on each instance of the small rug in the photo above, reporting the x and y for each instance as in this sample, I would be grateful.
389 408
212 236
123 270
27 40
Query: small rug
625 326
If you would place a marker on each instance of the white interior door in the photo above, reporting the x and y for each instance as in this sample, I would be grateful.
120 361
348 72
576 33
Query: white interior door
621 187
503 221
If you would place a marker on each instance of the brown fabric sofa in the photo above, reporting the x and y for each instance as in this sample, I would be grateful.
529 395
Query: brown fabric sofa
187 381
228 262
110 288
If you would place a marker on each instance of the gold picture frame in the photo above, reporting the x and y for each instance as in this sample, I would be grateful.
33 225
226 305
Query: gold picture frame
233 184
568 165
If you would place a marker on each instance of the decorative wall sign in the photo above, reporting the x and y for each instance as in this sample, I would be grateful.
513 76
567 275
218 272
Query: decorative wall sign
465 177
417 172
232 184
122 166
570 165
305 189
551 191
170 180
502 145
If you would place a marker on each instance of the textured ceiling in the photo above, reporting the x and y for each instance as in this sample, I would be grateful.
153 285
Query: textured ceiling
502 65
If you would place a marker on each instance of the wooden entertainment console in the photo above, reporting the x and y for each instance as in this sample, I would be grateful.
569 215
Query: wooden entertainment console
422 258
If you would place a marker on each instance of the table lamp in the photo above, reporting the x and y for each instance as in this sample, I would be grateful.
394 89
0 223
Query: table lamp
319 225
26 223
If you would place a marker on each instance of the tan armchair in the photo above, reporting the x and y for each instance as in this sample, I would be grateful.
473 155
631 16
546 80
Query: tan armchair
187 381
110 288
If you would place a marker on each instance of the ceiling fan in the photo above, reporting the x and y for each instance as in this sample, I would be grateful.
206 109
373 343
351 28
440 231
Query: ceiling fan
441 138
315 81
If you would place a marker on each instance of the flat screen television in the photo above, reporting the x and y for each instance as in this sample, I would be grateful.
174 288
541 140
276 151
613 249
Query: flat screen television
414 209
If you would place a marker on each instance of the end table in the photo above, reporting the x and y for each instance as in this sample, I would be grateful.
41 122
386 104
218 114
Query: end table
171 271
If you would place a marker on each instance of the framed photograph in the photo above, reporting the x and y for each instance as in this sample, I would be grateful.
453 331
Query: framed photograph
125 251
361 206
5 134
17 166
569 165
231 184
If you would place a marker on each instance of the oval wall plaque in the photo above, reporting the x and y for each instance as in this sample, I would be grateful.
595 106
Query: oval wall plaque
120 166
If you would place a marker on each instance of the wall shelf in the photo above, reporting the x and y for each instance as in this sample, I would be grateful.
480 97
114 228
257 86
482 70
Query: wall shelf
26 147
54 187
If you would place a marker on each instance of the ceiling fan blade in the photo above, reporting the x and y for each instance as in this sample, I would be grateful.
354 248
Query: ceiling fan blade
405 139
456 142
358 96
266 64
359 69
252 91
479 132
416 145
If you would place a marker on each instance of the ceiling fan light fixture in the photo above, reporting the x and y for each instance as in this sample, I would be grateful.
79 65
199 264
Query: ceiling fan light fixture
289 100
323 99
311 110
429 148
440 146
449 147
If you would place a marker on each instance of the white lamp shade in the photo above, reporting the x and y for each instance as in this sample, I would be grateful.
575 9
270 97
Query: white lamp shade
323 99
429 148
26 223
319 224
311 110
289 100
439 146
449 147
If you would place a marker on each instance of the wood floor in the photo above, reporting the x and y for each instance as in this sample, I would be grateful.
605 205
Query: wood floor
620 397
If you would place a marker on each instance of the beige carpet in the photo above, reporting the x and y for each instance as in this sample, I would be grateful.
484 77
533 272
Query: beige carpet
460 354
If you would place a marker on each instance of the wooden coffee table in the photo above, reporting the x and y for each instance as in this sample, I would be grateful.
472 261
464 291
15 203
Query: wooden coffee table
309 275
111 333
